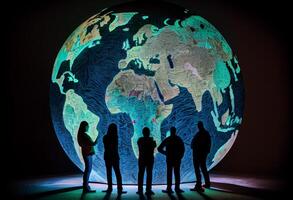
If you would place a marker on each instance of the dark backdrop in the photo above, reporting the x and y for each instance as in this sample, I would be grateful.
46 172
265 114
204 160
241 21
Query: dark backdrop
258 33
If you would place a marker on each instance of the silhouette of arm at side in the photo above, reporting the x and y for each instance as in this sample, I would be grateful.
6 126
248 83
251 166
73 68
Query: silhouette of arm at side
209 142
162 147
192 143
181 148
154 144
139 143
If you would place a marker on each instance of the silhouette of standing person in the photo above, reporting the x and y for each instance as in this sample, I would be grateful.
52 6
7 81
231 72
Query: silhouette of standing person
111 157
146 147
173 148
201 145
87 150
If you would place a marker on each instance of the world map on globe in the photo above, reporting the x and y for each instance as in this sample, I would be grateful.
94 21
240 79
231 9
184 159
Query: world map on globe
141 68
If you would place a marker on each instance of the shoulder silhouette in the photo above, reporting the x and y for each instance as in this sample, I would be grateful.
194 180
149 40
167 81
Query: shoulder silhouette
174 146
83 139
110 141
146 145
201 142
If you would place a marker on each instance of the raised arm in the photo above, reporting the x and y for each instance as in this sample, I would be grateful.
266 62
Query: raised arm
88 141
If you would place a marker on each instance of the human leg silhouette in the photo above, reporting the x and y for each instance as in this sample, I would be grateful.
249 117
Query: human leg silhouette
141 169
177 176
169 177
149 169
204 171
118 177
196 165
109 176
88 159
87 170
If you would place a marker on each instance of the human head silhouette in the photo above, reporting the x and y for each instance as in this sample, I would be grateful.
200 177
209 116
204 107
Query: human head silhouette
200 125
172 131
146 132
83 127
112 129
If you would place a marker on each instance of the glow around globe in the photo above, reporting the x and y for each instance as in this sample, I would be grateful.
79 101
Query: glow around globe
137 65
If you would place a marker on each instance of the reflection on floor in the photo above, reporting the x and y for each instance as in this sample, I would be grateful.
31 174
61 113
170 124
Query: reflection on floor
223 187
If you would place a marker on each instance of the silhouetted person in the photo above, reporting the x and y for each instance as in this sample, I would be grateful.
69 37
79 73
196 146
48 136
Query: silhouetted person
111 157
146 147
87 149
201 145
173 148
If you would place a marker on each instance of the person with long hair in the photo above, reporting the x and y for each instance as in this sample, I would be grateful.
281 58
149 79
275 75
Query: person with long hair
111 157
87 150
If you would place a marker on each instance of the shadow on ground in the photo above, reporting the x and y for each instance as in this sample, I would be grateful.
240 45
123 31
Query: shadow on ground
217 191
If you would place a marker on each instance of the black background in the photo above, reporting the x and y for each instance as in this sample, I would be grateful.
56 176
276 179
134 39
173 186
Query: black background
259 33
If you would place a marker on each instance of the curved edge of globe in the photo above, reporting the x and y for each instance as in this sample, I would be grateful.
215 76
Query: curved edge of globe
67 141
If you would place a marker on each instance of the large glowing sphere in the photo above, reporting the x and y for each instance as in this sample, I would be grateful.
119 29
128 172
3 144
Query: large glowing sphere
139 65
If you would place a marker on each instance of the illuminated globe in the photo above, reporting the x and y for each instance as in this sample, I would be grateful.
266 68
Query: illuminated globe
138 66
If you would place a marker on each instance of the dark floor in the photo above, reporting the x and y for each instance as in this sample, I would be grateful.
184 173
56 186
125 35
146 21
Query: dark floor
223 187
